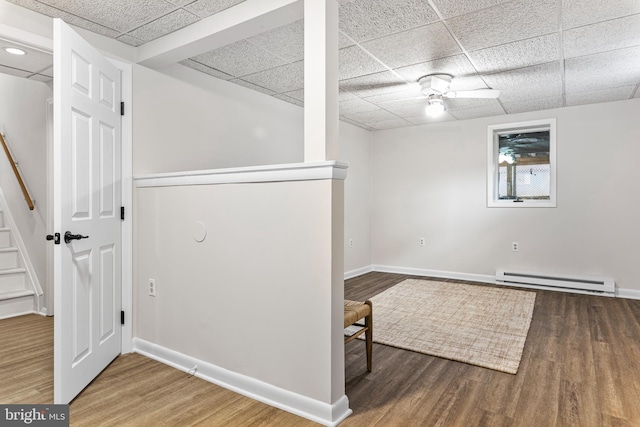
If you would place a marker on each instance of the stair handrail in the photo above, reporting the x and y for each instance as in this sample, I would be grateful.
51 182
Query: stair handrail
25 192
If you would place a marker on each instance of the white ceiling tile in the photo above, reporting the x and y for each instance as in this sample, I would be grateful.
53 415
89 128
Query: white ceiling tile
164 25
537 81
286 42
33 61
180 2
516 20
474 113
515 107
14 71
449 8
408 110
288 99
48 72
390 124
602 95
40 78
356 105
121 15
603 70
281 79
206 69
609 35
423 119
296 94
466 103
204 8
457 66
374 84
369 117
576 13
344 40
343 95
409 95
239 59
355 62
248 85
414 46
369 19
132 41
522 53
67 17
360 125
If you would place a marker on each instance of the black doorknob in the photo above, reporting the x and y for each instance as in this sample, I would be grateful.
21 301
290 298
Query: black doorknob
68 236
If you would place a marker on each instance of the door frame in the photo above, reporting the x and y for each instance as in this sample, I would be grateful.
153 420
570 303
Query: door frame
46 44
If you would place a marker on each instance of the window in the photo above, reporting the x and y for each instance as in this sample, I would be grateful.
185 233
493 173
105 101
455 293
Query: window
522 164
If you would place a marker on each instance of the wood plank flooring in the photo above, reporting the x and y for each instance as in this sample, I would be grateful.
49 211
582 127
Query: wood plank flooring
580 367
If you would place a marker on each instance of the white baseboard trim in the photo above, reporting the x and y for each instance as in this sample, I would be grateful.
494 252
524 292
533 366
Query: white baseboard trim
628 293
358 272
483 278
306 407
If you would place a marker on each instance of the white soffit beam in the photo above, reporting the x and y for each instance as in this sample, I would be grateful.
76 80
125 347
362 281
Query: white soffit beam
239 22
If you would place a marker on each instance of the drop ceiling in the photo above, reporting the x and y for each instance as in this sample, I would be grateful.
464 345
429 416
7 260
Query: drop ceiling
540 54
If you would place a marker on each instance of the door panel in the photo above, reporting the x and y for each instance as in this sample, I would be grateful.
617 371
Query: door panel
87 187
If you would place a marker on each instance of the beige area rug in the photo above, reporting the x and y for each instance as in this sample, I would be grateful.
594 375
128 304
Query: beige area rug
476 324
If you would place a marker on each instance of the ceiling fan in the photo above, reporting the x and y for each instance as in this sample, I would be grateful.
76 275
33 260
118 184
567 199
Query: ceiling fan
435 87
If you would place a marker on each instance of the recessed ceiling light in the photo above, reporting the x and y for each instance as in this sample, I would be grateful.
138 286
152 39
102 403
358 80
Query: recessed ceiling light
15 51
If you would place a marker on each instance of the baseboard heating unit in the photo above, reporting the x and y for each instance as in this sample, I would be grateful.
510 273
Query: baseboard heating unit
569 283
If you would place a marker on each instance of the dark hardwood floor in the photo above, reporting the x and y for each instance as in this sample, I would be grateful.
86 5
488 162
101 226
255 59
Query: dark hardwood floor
580 367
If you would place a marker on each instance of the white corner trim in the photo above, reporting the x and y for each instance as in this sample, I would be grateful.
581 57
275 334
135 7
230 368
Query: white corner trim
483 278
358 272
269 173
628 293
306 407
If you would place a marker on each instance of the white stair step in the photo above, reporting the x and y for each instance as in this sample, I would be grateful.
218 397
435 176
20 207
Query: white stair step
15 294
12 279
16 303
5 237
8 258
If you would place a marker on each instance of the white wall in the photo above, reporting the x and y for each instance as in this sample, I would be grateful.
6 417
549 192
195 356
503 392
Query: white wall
255 297
355 149
23 122
187 120
430 182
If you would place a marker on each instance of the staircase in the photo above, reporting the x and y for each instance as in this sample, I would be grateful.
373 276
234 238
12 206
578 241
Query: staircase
17 294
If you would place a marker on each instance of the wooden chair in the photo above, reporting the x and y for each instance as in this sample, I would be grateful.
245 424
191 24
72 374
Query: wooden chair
354 311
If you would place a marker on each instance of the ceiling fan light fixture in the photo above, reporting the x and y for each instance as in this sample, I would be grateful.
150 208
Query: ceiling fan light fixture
435 107
15 51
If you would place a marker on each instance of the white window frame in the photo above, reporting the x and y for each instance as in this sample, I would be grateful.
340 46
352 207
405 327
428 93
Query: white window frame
493 131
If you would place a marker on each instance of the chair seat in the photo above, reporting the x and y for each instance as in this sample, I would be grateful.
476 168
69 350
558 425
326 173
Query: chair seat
354 311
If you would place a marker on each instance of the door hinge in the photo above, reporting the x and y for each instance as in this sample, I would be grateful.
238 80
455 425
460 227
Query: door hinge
122 108
122 317
122 213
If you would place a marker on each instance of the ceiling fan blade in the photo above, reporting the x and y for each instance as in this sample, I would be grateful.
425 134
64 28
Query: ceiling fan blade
478 93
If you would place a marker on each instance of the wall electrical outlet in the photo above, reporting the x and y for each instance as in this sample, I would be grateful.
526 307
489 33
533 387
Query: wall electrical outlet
152 287
422 241
350 243
515 246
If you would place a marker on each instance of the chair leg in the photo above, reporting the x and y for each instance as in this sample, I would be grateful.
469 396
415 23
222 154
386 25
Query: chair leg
368 322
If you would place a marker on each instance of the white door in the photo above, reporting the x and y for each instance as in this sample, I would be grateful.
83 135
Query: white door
87 271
